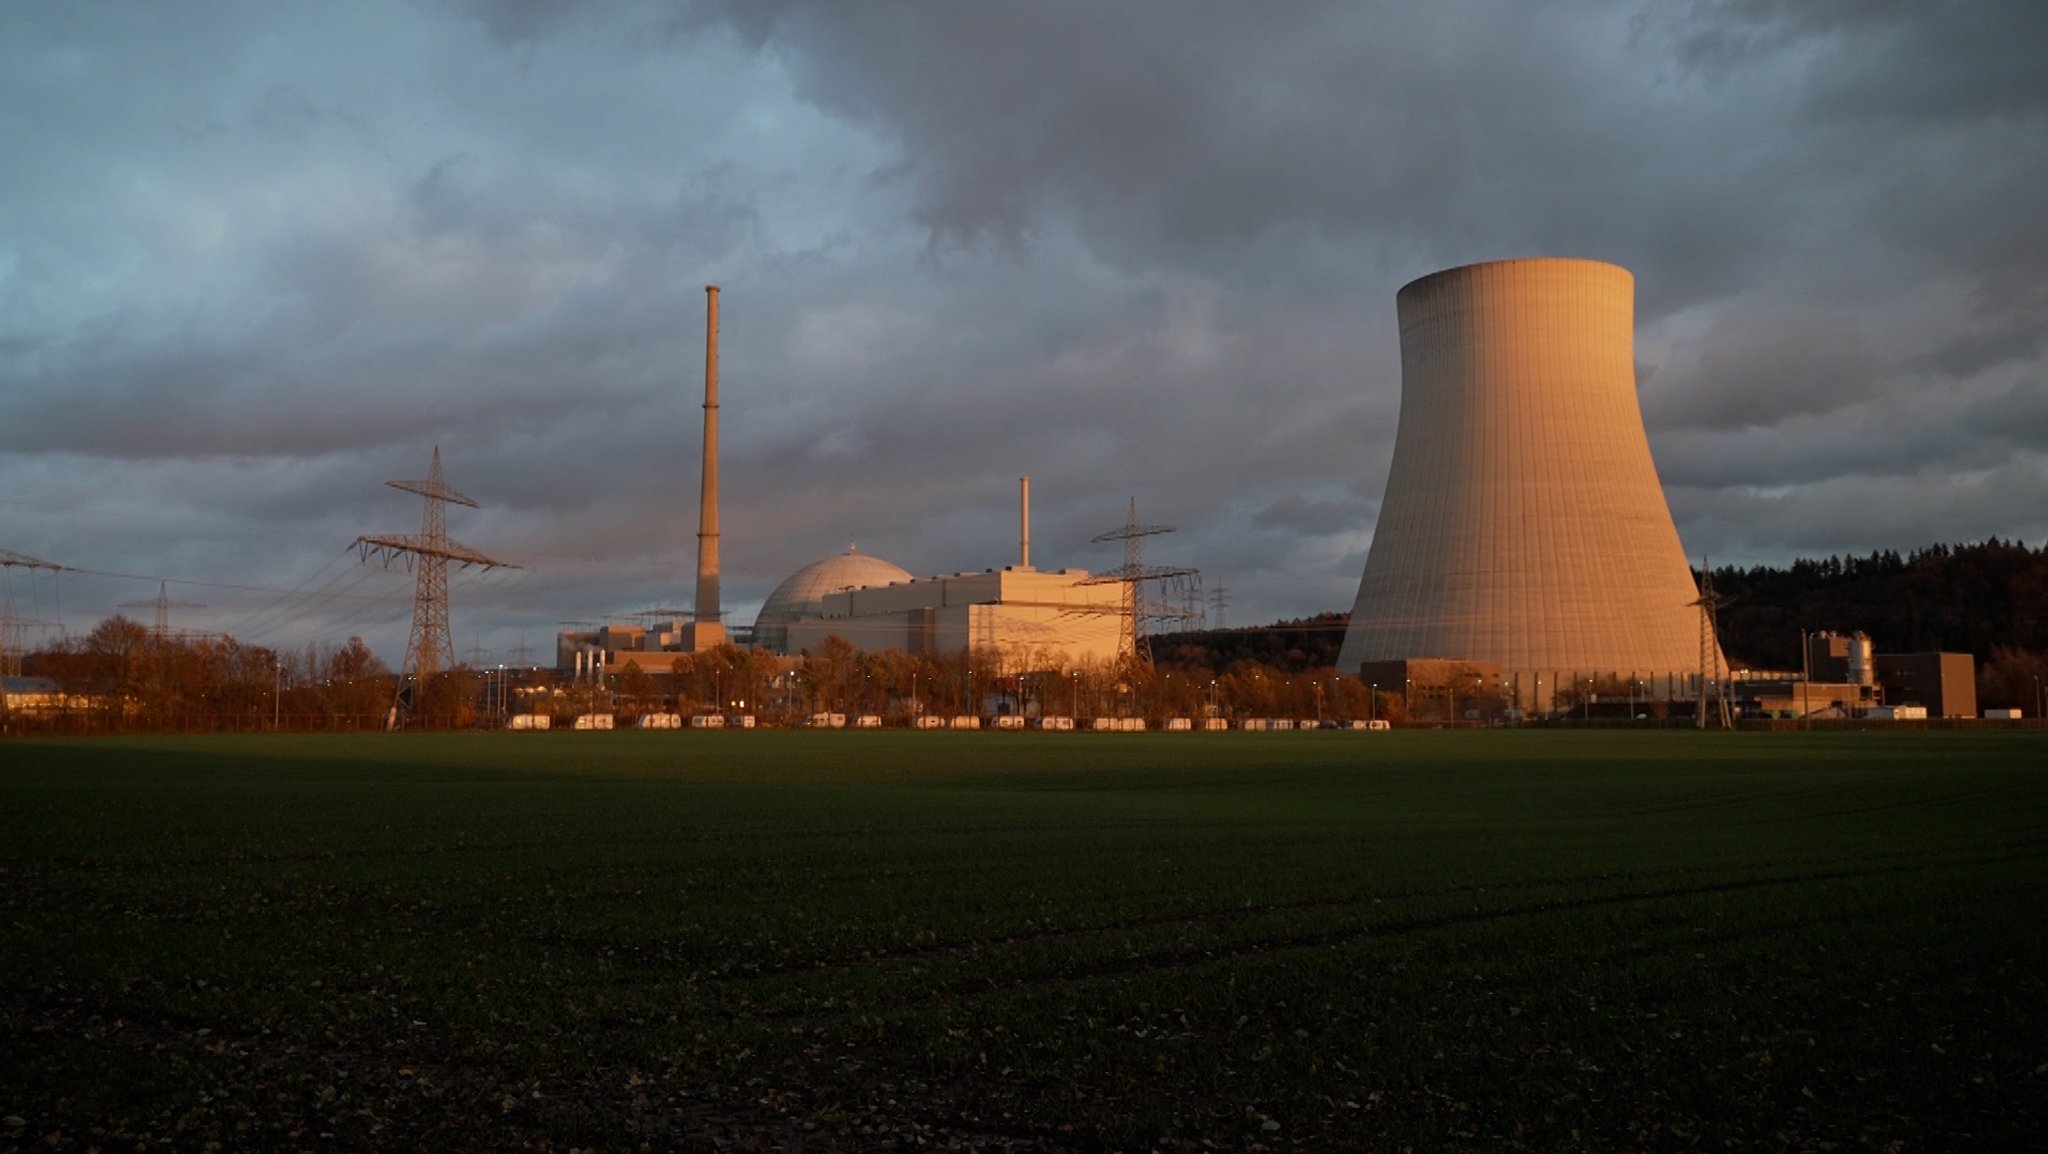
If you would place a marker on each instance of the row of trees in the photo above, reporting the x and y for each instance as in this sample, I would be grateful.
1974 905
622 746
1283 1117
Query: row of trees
124 677
838 678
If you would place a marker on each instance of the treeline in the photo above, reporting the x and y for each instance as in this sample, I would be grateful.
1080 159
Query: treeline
1291 647
1964 598
836 677
122 677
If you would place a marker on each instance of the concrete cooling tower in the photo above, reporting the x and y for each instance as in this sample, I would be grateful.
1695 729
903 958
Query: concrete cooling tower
1524 527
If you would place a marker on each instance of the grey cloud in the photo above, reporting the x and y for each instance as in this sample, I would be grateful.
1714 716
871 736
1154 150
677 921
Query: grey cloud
1411 137
1884 59
1313 517
1479 136
1756 369
1858 514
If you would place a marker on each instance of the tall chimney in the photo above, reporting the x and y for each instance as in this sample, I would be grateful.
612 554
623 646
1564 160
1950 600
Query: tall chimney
1024 522
709 629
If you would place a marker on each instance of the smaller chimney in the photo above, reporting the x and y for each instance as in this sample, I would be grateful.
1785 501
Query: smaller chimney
1024 522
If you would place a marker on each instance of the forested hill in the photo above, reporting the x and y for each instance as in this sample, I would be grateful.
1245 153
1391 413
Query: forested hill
1968 598
1296 646
1979 599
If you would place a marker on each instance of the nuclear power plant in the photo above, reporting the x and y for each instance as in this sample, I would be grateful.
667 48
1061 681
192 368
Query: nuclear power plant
1524 540
1524 533
1019 615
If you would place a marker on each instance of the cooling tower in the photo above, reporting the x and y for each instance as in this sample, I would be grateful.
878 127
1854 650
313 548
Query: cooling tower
1523 525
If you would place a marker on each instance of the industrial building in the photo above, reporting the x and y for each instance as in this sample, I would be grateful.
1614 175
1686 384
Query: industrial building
1946 683
1844 677
1026 618
1524 527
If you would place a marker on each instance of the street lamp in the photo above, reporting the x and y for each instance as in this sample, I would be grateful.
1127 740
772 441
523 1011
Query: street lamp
1372 704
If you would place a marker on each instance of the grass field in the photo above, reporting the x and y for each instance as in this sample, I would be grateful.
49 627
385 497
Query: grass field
1021 941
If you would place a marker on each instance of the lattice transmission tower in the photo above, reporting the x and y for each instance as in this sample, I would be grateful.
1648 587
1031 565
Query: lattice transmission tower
1713 696
1134 635
13 630
163 605
430 648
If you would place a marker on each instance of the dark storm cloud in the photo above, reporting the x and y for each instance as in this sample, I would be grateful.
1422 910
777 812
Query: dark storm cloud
1408 136
1698 144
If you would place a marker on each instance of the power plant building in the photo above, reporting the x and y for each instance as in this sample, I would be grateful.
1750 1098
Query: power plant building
1524 526
1030 619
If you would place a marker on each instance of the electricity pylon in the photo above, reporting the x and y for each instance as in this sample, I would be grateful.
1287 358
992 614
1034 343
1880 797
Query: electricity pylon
1709 604
430 648
12 628
1135 573
163 605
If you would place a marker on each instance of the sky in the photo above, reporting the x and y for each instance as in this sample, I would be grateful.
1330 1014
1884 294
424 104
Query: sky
257 259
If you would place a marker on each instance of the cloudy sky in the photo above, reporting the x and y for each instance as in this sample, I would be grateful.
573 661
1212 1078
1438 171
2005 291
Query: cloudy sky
258 258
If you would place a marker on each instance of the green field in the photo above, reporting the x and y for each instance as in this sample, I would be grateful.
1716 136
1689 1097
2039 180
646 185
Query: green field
1497 940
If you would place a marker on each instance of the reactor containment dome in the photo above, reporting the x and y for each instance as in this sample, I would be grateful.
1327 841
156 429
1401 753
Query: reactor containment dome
802 594
1523 525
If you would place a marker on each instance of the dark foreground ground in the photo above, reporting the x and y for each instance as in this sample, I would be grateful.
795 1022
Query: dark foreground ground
1026 942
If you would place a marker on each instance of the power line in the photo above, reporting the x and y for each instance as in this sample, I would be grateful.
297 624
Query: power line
249 623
